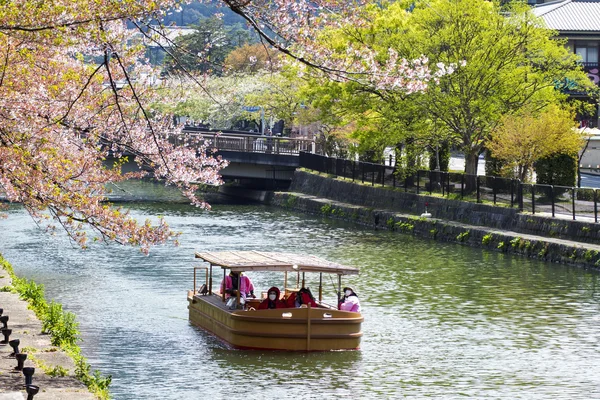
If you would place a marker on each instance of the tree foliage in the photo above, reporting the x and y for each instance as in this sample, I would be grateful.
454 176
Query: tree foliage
223 102
75 89
251 59
558 169
492 60
521 140
205 50
72 92
510 62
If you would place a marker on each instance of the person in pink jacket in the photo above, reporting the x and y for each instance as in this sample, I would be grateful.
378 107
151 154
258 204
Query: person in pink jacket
350 301
230 284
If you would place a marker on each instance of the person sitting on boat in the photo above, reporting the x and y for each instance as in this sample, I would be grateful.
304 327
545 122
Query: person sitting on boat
303 296
230 285
350 301
272 301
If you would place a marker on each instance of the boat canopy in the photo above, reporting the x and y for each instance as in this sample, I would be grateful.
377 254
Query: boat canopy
267 261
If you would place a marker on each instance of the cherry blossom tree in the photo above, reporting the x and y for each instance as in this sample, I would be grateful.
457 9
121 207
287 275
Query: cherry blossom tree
74 90
72 93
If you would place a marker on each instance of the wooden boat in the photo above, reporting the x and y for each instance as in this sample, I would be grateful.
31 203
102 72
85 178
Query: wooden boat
308 329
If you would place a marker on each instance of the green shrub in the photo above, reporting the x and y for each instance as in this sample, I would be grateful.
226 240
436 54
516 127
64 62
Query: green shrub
493 166
573 255
443 152
61 326
590 254
404 226
487 239
516 242
93 380
291 201
558 170
57 371
32 293
390 223
326 209
462 237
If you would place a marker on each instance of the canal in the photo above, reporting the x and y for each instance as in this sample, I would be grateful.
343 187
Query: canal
441 320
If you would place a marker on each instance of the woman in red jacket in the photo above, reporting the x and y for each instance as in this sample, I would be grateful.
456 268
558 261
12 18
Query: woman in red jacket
272 301
304 296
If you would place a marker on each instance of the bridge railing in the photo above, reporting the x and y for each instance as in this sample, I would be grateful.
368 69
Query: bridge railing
252 143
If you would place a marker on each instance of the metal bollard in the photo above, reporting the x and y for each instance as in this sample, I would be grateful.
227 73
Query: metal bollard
21 357
31 390
15 346
28 372
6 332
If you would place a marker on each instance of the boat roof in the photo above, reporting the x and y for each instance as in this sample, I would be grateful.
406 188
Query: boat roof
269 261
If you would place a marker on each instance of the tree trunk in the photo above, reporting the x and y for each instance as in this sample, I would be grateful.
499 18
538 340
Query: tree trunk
471 162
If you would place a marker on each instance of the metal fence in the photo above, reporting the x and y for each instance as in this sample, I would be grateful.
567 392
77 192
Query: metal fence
557 201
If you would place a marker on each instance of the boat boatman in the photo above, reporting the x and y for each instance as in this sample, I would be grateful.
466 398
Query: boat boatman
231 282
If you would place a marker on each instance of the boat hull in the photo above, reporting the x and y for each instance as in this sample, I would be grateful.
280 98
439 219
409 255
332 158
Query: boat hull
296 329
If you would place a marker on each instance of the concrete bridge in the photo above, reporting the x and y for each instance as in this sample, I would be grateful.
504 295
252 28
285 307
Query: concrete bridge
255 161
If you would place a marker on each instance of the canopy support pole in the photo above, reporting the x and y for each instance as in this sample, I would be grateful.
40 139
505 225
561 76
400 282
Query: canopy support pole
223 286
238 289
308 328
210 280
320 287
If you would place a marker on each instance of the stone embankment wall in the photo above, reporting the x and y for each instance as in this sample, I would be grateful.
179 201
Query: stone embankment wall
495 228
453 210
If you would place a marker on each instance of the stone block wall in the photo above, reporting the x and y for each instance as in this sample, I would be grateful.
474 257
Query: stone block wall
537 247
484 215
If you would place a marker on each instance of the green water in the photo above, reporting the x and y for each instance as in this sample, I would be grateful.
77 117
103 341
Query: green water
441 320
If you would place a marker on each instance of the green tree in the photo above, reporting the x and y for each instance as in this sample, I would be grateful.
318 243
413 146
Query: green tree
500 57
521 140
510 61
206 49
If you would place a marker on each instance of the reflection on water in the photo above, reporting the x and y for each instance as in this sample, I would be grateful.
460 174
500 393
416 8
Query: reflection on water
441 321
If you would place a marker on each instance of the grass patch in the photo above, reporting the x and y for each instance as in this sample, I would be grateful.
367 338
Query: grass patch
62 327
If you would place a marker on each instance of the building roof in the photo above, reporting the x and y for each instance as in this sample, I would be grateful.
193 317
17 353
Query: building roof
570 15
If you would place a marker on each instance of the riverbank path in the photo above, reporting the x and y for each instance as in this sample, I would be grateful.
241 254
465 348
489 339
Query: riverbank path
27 328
